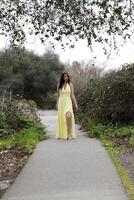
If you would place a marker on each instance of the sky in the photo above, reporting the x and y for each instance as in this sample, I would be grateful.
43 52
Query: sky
81 52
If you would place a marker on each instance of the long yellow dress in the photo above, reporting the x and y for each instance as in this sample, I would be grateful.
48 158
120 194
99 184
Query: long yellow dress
64 105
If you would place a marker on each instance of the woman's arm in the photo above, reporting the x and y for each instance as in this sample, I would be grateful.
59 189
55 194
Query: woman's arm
73 96
58 94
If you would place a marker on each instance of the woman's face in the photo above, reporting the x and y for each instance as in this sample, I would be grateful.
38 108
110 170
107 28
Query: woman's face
65 77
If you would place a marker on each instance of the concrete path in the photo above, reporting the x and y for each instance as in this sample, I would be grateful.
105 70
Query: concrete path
77 169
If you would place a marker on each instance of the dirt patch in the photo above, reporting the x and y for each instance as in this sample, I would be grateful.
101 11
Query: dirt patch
119 140
9 160
127 160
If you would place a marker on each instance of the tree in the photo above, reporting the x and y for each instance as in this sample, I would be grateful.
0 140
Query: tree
83 73
99 20
30 76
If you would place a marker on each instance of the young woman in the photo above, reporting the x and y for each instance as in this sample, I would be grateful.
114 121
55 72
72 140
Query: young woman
65 98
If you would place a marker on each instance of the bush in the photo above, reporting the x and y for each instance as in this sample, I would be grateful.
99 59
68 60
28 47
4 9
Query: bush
111 98
93 128
124 131
24 138
2 120
50 101
131 140
17 115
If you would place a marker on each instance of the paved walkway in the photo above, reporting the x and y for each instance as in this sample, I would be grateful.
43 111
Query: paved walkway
77 169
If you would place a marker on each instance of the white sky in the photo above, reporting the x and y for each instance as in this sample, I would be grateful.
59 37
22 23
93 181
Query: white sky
81 52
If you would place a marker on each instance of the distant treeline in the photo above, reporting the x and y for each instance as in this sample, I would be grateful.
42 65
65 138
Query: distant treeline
30 76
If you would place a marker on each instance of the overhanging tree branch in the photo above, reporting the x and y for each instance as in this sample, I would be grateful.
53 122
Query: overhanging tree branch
59 18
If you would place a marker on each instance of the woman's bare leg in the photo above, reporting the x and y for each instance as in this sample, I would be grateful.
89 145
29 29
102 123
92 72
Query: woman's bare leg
69 123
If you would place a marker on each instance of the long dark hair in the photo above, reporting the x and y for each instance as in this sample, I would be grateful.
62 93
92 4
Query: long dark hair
62 79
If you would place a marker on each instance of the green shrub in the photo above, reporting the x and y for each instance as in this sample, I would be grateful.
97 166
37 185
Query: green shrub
24 138
124 131
131 140
24 121
50 101
29 102
100 130
17 115
4 129
111 98
2 120
94 128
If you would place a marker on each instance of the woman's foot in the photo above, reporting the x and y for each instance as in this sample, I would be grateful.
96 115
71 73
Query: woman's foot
70 137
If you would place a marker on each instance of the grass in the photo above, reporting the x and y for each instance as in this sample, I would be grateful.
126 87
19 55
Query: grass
25 138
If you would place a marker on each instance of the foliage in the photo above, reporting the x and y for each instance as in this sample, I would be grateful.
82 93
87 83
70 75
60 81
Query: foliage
2 120
111 98
50 101
58 18
16 112
120 136
4 130
94 128
29 102
17 115
24 138
124 131
30 76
